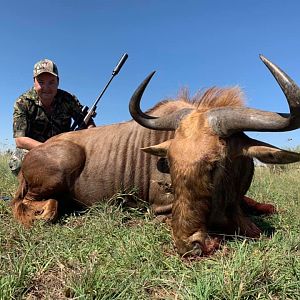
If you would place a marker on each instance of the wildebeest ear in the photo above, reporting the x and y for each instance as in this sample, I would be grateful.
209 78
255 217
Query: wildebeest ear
272 155
159 149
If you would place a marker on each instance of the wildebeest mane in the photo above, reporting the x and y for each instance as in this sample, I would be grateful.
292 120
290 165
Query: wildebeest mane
219 97
207 98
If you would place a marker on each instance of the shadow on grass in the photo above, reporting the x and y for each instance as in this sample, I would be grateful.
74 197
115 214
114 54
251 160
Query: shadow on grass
126 202
264 225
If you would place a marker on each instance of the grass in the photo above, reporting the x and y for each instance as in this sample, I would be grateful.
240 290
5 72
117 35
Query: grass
112 253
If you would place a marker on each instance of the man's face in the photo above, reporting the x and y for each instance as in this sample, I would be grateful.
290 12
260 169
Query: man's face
46 86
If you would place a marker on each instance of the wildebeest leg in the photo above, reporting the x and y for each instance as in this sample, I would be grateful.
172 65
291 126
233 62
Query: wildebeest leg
227 215
251 206
49 172
161 197
239 224
231 190
26 211
247 228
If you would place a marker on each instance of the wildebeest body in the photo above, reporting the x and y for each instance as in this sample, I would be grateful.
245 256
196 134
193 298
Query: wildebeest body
89 166
119 163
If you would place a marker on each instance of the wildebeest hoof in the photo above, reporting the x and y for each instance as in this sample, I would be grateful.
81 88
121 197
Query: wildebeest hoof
197 249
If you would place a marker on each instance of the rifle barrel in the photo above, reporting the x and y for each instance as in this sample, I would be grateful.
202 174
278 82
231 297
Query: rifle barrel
114 73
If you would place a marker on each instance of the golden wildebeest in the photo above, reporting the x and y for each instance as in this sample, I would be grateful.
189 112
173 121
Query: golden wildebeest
211 159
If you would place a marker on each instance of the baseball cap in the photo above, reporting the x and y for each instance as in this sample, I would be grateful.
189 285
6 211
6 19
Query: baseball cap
45 66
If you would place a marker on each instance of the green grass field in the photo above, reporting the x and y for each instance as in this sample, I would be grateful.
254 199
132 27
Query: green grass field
112 253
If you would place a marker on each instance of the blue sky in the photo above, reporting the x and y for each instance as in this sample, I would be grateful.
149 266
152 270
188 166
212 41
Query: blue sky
194 44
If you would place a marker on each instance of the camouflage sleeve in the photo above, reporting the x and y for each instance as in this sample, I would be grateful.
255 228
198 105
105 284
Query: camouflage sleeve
20 121
75 107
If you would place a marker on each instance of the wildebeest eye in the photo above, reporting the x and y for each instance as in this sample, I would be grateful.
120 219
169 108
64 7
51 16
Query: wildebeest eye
163 165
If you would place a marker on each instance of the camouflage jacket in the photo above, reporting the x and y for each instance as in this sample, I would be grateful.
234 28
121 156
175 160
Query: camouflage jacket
31 120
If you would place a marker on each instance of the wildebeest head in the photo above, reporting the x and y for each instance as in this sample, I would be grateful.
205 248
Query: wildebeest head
227 119
211 159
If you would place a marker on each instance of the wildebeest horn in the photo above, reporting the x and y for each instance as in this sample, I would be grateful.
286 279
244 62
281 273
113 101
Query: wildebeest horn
226 121
169 122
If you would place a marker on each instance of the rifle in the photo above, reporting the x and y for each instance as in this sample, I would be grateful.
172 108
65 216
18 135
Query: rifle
81 123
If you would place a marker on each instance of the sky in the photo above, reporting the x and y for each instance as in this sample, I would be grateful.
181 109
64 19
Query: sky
190 44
